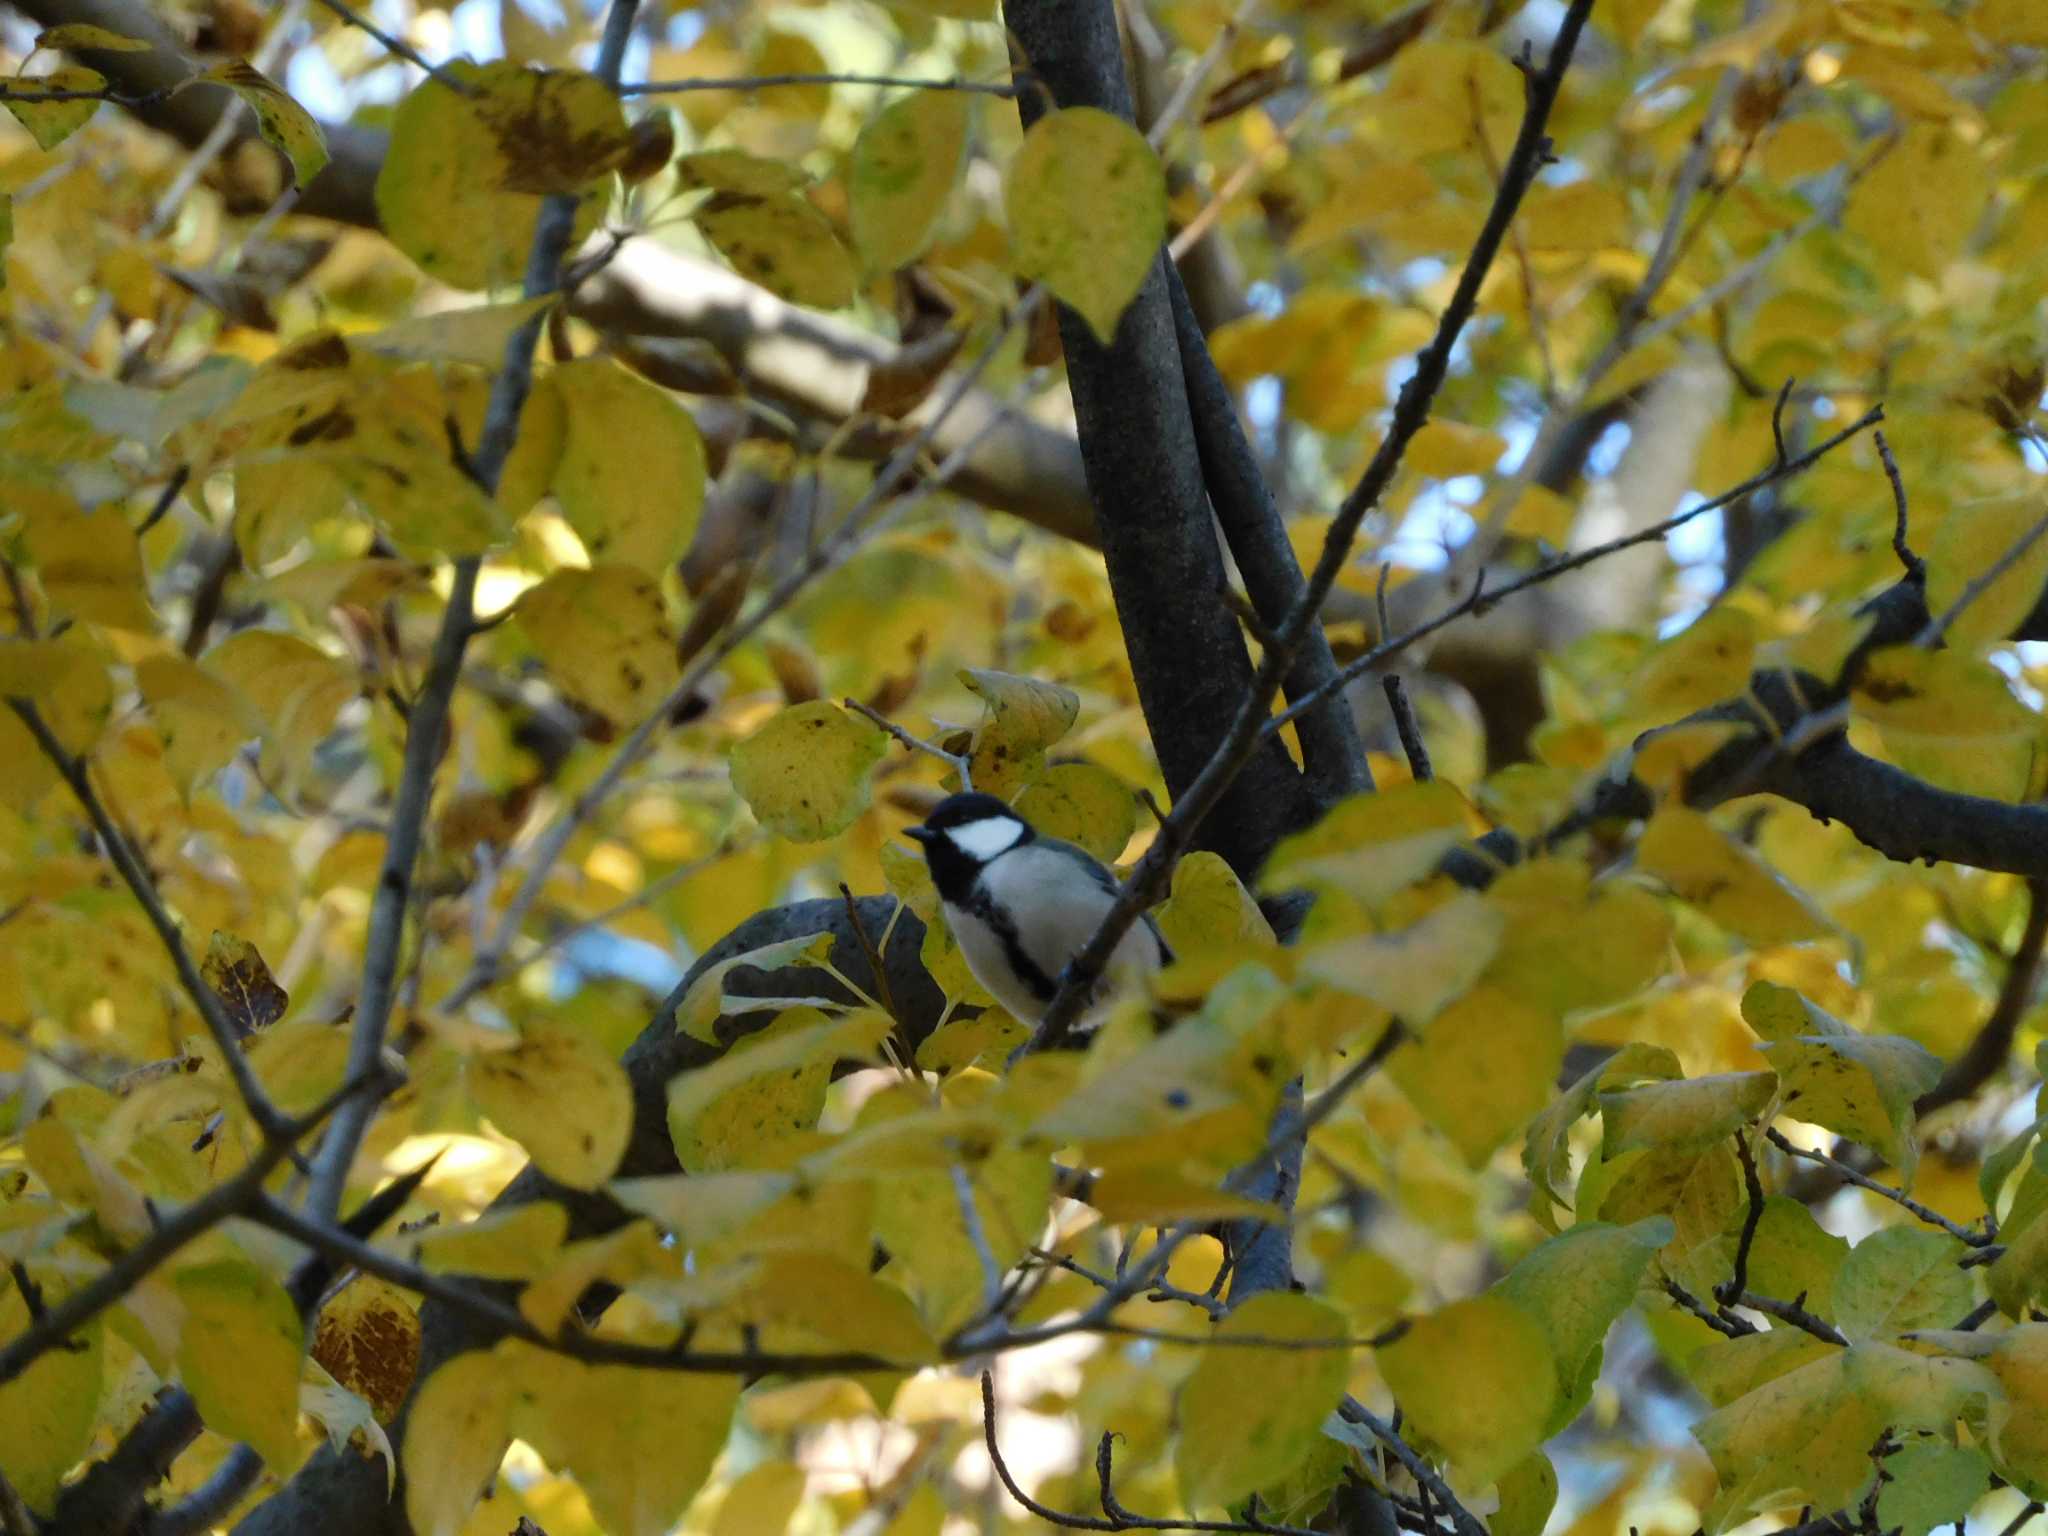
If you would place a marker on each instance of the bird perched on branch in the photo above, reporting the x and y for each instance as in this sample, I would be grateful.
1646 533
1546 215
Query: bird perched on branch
1022 904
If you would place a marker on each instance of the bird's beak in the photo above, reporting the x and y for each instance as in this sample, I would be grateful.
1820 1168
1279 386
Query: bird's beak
920 835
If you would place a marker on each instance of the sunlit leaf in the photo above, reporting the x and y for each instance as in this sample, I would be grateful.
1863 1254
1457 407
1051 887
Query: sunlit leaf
561 1097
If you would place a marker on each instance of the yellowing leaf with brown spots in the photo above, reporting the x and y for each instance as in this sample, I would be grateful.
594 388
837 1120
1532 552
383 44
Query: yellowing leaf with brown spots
234 970
604 637
1950 718
1209 912
1233 1441
368 1339
455 1437
563 1099
804 774
556 128
631 473
1476 1379
1723 879
905 165
766 1089
1087 211
442 192
50 123
782 243
1860 1086
289 127
239 1355
1025 716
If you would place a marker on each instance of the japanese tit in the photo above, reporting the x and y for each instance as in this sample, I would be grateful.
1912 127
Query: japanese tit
1023 904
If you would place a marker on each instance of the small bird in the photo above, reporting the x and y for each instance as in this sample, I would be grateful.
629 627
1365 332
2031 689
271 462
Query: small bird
1022 904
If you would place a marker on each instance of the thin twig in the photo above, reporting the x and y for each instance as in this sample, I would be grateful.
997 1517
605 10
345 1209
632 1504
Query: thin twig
977 1237
954 760
1795 1313
1008 89
272 1121
1352 1411
1914 565
1862 1180
1737 1283
1553 569
398 47
1408 728
1727 1326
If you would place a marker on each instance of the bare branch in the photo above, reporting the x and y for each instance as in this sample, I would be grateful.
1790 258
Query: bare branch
428 718
953 760
1408 727
398 47
1913 564
1753 1215
1008 89
1991 1048
1463 1521
1793 1312
1862 1180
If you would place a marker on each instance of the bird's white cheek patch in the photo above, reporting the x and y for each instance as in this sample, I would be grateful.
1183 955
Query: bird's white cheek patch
986 838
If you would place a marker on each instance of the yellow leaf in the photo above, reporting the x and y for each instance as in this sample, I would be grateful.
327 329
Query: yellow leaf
703 1208
1233 1442
1550 903
47 1412
283 122
1707 661
1083 804
702 1004
514 1244
1373 845
563 1098
199 718
640 1443
90 566
1575 1285
1919 203
1025 716
2011 21
1160 1196
805 773
1528 1493
605 638
782 243
1539 513
295 688
239 1356
1416 971
2019 1422
1972 538
1482 1070
1685 1115
1951 718
734 170
1087 210
1478 1379
473 333
1444 450
455 1437
762 1500
1209 913
52 122
1860 1086
368 1340
1586 215
1724 880
637 507
905 165
712 1128
77 35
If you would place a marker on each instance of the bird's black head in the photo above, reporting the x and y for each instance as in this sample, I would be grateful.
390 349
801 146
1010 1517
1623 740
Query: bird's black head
962 834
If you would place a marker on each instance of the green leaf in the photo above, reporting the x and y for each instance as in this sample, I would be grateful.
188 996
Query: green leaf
1931 1485
1087 211
1546 1149
285 124
239 1356
1479 1380
563 1098
1528 1493
1575 1285
905 165
805 773
48 1411
631 475
1792 1255
1899 1279
455 1436
1233 1442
